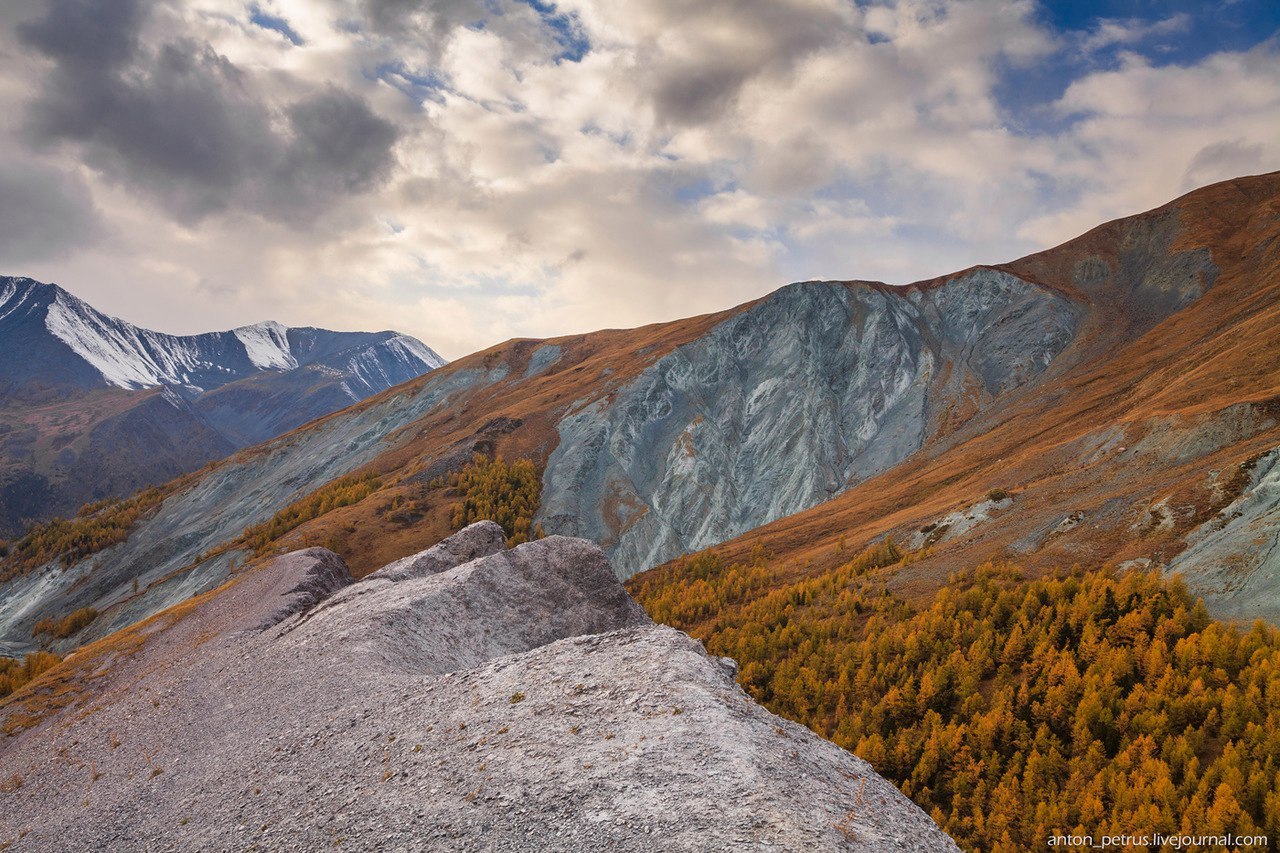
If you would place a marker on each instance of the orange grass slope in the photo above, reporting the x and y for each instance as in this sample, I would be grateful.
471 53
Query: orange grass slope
1143 437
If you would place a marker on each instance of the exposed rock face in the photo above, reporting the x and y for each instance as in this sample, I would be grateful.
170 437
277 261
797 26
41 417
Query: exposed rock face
456 709
1233 559
809 392
459 617
308 577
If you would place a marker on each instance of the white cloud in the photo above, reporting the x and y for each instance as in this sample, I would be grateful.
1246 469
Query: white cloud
701 153
1146 134
1111 32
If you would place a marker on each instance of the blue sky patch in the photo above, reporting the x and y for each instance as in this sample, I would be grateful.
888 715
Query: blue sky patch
418 86
1095 35
279 25
566 28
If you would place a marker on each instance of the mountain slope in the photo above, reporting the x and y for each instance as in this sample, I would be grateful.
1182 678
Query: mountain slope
468 698
1130 367
1165 440
814 389
81 422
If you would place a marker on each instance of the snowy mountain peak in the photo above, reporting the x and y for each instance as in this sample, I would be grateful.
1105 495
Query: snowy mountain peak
416 349
127 356
15 293
267 345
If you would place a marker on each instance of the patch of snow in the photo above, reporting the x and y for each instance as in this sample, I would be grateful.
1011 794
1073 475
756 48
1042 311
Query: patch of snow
13 297
267 345
405 347
392 361
115 349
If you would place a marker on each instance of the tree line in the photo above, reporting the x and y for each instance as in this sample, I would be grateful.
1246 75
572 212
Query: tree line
1010 709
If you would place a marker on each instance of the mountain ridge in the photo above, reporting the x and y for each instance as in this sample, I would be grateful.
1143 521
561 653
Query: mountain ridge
1192 398
78 388
131 357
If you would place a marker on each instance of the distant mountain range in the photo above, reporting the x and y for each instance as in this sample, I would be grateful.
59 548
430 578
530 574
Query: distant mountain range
92 406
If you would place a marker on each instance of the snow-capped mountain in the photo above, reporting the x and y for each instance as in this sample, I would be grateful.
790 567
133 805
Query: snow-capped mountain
93 406
125 356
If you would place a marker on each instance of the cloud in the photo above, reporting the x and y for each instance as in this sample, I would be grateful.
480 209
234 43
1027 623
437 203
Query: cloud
471 170
183 123
44 214
1143 134
1111 32
86 36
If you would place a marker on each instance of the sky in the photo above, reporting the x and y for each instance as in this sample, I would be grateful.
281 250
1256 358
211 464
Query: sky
468 171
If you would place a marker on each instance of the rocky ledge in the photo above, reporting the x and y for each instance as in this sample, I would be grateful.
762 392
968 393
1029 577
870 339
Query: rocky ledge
466 698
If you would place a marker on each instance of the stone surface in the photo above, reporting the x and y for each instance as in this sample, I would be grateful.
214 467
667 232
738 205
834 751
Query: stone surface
458 710
458 617
1233 559
477 540
807 393
305 578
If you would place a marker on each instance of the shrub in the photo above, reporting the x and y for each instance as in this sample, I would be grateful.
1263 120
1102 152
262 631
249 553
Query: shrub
96 526
14 673
345 491
1008 708
72 623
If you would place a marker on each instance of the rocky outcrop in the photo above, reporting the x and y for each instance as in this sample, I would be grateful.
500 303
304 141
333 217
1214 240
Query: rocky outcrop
802 396
458 617
516 699
307 577
477 540
1233 559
